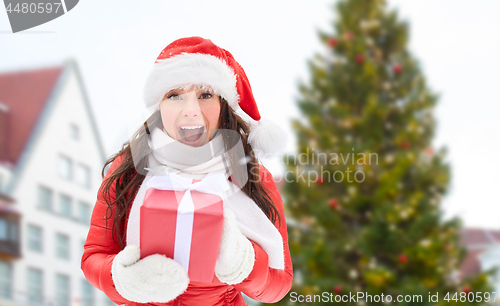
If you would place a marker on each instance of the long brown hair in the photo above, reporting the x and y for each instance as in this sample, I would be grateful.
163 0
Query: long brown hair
128 181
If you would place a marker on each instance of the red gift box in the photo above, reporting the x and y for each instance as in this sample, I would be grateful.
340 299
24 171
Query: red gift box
163 227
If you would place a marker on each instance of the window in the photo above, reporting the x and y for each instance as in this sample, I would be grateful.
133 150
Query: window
65 168
87 293
8 230
35 289
74 131
62 246
62 290
44 198
83 176
13 230
3 229
35 238
5 280
84 212
65 204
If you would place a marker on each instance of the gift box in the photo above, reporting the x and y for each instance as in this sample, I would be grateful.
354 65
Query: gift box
185 225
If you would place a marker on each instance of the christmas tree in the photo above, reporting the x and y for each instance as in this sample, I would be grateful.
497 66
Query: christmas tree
363 191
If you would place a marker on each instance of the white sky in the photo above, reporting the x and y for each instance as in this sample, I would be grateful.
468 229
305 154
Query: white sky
116 42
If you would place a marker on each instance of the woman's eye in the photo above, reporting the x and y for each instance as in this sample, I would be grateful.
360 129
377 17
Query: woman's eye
206 95
174 97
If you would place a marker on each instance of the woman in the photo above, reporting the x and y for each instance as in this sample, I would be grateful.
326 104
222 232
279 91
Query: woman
194 89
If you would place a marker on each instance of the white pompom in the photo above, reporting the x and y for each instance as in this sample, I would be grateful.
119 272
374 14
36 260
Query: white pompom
267 137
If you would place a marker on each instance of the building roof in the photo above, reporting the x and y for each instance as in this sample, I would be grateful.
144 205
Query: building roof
25 94
479 237
476 241
30 97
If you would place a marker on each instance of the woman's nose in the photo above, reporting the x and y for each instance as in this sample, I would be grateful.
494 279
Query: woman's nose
192 106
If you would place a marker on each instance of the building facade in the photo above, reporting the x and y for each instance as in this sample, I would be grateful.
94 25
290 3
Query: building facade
483 254
51 157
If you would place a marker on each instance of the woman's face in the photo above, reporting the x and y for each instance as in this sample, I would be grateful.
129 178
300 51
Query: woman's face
190 116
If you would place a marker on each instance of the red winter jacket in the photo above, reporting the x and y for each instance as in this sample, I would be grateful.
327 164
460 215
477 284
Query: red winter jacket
264 284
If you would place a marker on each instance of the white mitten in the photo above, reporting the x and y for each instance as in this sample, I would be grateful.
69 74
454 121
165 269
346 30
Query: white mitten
155 278
236 254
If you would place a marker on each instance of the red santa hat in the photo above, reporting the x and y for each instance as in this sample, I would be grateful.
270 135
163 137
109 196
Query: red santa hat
198 61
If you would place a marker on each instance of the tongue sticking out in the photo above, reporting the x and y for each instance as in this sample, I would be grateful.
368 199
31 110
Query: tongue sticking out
191 134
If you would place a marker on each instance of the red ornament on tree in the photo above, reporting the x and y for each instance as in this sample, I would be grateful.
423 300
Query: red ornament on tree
466 289
333 203
349 35
360 58
320 180
337 289
403 259
332 42
429 151
397 69
405 144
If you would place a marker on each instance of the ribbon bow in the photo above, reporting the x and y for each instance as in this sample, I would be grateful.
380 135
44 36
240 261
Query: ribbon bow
212 184
171 181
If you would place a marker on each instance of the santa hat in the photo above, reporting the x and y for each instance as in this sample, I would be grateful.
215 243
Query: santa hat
198 61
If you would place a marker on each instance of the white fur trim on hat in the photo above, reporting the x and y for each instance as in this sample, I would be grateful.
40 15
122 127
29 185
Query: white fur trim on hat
267 137
190 69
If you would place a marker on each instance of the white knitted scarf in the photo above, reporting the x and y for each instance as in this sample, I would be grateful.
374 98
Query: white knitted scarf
169 155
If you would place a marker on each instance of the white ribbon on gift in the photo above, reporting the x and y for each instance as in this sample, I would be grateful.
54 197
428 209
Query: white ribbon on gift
212 184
